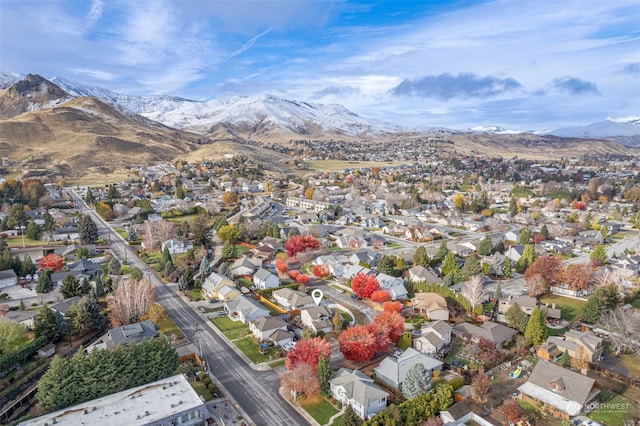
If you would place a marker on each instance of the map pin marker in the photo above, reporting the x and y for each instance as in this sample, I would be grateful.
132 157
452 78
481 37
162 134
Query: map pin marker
317 296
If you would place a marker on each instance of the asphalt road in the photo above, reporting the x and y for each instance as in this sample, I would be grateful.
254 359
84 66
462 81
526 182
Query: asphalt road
255 391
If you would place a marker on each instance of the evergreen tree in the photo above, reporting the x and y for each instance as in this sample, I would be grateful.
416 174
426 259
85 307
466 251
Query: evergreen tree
470 268
88 230
78 319
99 286
536 332
544 231
72 287
27 267
185 282
420 257
599 254
166 256
497 294
486 246
44 282
565 360
525 236
416 382
112 192
516 318
46 325
114 266
349 418
450 264
513 206
33 231
601 300
168 269
442 251
205 267
228 250
49 222
385 265
136 274
324 373
89 198
506 268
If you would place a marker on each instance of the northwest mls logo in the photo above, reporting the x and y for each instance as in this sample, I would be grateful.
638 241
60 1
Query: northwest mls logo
607 407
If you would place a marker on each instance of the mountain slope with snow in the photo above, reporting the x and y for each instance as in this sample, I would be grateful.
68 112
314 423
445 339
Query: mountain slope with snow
625 131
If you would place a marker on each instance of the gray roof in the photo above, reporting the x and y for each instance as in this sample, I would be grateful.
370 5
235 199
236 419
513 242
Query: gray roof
64 306
262 274
294 297
358 386
135 332
561 382
492 331
7 273
396 368
440 327
268 323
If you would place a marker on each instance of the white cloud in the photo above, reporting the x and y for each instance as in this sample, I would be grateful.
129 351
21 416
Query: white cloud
94 14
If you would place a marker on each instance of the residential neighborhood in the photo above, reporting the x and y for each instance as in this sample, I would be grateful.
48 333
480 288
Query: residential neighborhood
509 296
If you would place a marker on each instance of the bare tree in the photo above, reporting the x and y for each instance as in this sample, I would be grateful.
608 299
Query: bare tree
132 299
157 232
619 277
302 380
623 326
474 291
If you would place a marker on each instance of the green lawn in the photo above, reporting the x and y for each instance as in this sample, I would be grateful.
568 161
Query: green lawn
238 249
225 324
195 294
556 331
251 350
337 420
630 362
613 412
168 327
235 334
636 304
321 411
571 308
18 242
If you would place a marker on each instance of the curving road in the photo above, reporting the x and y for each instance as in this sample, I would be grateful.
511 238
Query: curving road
255 391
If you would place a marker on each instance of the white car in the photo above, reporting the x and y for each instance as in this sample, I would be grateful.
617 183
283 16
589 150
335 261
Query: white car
288 346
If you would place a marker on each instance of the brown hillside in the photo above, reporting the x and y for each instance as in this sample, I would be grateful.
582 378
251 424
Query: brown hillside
86 136
31 93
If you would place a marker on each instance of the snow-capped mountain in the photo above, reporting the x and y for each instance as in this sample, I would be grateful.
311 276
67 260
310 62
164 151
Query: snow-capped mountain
135 104
495 130
7 79
622 130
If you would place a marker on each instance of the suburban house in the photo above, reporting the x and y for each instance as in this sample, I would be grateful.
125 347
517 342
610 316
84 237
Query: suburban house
433 305
579 344
176 246
8 278
392 285
263 328
26 318
492 331
354 388
421 274
317 318
291 299
213 284
515 253
245 309
392 370
126 334
228 293
528 303
461 413
245 265
163 402
433 338
84 268
563 392
62 307
263 279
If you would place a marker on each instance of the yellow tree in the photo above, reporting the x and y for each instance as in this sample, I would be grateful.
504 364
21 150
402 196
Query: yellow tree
458 201
308 193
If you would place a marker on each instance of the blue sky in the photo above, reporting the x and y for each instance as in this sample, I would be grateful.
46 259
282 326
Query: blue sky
526 65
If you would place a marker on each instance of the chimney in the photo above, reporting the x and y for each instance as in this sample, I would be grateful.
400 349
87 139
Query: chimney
553 305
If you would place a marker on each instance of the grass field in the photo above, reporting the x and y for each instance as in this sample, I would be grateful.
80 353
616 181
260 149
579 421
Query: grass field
571 308
338 165
201 389
17 242
252 350
320 410
225 324
613 412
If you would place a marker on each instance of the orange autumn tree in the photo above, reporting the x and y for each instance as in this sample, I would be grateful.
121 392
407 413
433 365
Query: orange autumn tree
394 323
364 285
380 333
281 266
380 296
308 352
51 261
392 306
357 343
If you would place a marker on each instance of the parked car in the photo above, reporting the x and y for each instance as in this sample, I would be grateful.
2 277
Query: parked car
398 352
416 333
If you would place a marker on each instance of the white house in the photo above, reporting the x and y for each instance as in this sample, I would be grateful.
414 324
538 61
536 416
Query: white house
263 279
317 318
354 388
392 370
264 327
392 285
245 309
293 299
433 337
176 246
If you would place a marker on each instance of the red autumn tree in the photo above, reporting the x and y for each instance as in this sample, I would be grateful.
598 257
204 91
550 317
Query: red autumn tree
294 274
302 279
392 306
51 261
321 271
364 285
281 266
308 352
538 238
380 333
301 243
394 322
357 343
380 296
